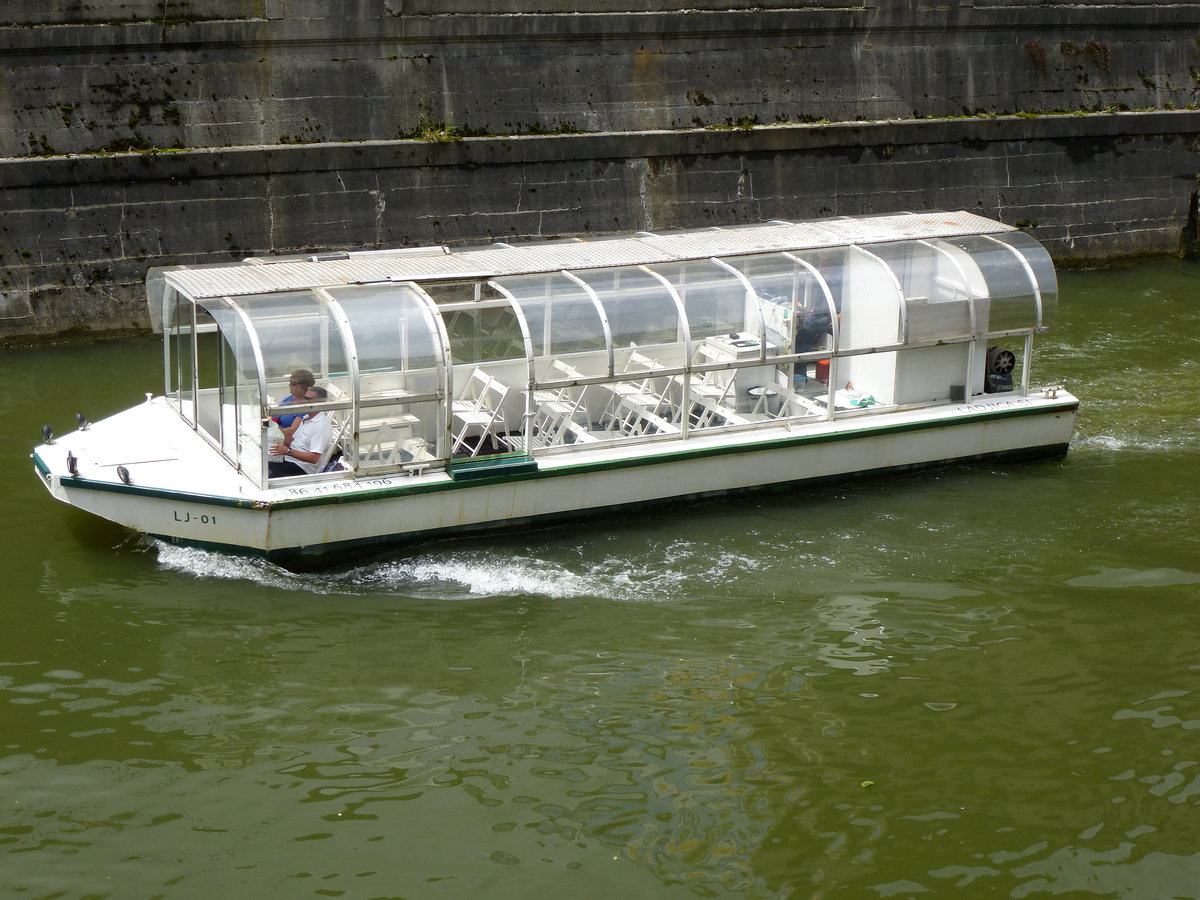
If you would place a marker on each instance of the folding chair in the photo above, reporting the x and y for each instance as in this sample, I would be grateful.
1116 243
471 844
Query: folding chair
477 413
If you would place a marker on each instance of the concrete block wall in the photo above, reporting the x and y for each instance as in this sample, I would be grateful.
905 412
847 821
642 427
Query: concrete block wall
142 74
79 233
277 126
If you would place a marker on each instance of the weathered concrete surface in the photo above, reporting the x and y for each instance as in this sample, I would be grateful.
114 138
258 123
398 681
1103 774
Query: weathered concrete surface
293 116
210 73
78 233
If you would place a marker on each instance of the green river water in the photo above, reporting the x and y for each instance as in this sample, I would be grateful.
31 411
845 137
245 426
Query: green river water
975 682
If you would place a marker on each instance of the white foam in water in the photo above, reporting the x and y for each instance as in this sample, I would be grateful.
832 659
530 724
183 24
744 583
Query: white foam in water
657 575
483 573
212 564
1101 442
449 576
1108 443
476 575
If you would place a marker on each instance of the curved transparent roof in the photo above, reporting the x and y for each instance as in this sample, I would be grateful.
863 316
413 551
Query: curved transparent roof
883 294
640 305
396 337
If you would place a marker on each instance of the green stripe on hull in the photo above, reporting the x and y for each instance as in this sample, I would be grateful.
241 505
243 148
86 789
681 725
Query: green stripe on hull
481 475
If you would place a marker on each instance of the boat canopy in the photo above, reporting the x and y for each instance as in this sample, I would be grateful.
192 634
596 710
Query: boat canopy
432 356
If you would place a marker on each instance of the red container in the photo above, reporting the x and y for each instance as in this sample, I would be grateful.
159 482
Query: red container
823 371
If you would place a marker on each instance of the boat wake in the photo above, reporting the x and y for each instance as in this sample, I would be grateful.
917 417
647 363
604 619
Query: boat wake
458 576
654 573
1132 441
209 564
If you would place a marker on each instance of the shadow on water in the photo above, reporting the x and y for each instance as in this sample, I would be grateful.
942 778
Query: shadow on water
98 535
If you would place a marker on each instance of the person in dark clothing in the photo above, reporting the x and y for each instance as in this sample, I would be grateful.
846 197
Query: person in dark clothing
812 324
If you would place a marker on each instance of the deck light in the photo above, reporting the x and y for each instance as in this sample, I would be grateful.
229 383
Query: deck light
72 464
82 420
47 434
123 474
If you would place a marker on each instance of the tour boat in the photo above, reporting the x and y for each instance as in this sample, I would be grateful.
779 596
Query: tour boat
501 385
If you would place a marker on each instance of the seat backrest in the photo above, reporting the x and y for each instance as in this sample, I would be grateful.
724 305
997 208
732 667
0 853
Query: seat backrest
639 361
494 392
470 394
339 424
335 391
567 370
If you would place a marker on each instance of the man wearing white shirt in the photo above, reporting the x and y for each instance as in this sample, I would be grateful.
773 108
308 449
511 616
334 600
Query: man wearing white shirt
304 447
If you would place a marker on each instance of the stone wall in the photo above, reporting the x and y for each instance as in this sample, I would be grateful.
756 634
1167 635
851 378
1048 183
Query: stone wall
299 129
80 232
142 74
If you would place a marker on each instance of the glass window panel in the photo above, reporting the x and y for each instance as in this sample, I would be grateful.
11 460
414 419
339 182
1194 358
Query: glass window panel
397 434
399 372
794 303
647 335
157 298
864 296
180 364
394 335
208 368
242 433
639 403
1012 305
484 333
233 332
292 331
937 302
236 394
295 331
561 415
714 299
563 319
1043 270
639 307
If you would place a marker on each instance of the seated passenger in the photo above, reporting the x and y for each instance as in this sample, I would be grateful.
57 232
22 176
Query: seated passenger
301 381
307 443
812 324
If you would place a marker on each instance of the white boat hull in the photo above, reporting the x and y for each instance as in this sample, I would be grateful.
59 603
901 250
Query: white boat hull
319 519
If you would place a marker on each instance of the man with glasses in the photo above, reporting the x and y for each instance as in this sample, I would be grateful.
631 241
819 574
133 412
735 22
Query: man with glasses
303 448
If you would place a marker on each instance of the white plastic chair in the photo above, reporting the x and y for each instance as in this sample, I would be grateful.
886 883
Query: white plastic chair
478 413
708 396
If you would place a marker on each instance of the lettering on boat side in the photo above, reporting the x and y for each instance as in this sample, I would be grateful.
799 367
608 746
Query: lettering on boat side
995 404
339 487
202 518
